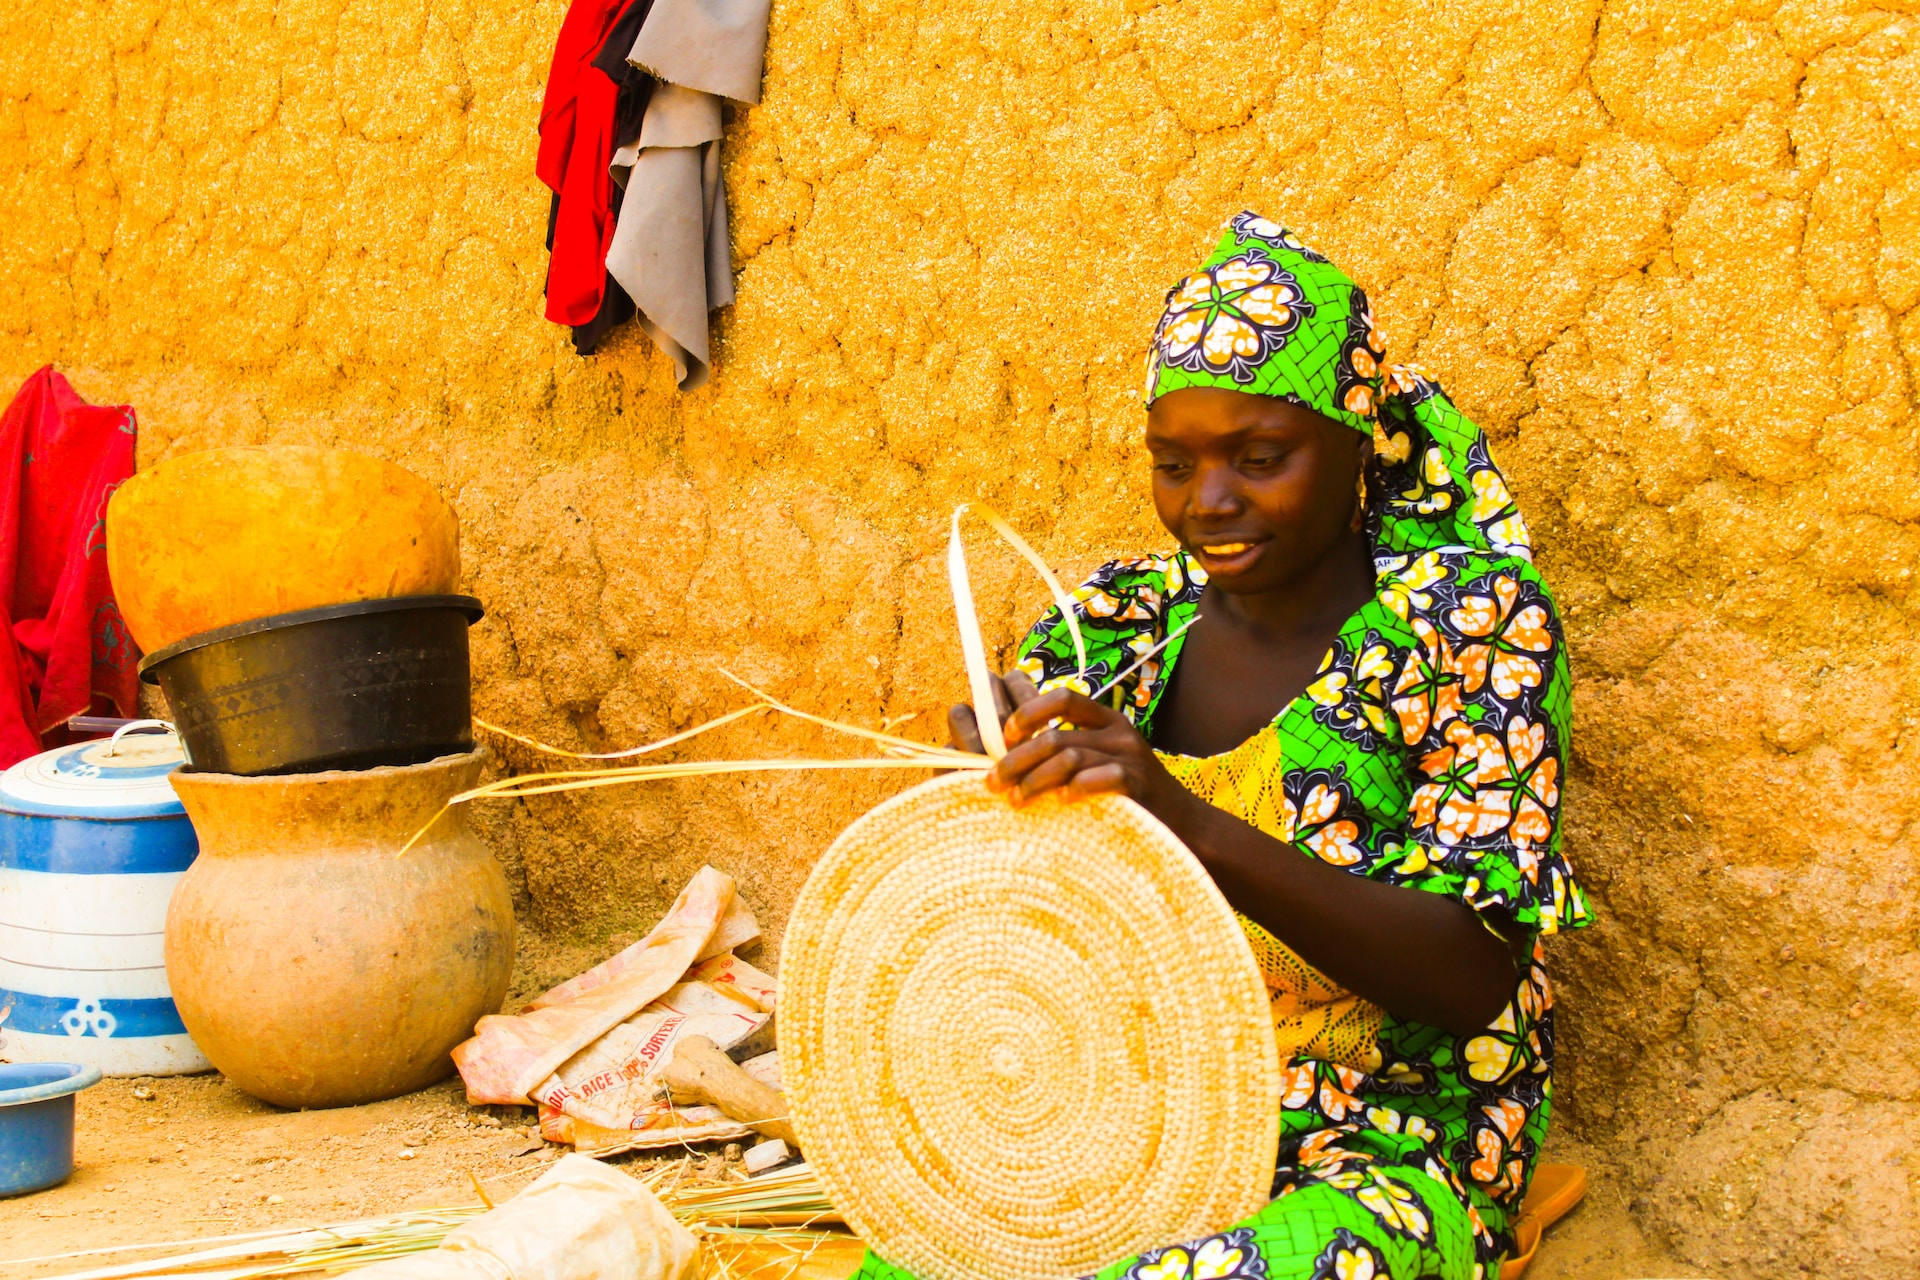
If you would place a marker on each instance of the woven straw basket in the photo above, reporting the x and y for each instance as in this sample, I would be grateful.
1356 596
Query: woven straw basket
1022 1044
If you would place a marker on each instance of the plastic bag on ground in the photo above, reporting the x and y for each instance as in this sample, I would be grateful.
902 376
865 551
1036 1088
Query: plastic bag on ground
510 1056
737 928
580 1221
610 1090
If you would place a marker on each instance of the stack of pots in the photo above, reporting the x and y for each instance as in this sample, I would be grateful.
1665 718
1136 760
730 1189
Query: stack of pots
298 609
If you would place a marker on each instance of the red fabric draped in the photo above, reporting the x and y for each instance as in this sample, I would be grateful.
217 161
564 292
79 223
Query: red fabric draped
576 143
60 460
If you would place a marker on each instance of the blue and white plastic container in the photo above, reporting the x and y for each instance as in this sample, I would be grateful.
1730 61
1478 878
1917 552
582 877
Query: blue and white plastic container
92 842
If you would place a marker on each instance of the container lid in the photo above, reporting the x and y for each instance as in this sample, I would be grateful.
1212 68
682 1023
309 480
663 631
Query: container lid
104 779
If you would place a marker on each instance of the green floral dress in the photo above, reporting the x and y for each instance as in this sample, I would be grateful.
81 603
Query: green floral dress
1427 753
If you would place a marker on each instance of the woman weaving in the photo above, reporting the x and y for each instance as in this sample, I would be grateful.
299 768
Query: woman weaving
1361 740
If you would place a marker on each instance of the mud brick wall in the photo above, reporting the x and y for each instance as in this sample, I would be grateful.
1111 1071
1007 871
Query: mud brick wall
1668 253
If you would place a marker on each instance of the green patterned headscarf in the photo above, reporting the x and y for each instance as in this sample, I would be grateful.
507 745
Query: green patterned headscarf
1267 315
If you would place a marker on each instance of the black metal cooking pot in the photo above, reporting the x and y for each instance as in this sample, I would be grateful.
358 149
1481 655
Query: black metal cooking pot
349 686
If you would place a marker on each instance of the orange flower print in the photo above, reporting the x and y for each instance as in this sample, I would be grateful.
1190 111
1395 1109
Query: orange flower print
1497 1164
1338 1094
1536 791
1486 1165
1322 1150
1297 1086
1427 694
1469 662
1356 373
1478 785
1494 1135
1512 635
1109 607
1536 993
1462 799
1313 809
1480 1234
1230 318
1411 381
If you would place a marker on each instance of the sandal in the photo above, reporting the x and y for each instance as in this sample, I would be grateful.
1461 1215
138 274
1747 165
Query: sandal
1556 1189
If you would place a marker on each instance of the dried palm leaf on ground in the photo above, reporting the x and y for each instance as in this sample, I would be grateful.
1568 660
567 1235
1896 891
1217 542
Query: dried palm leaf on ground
774 1227
333 1247
789 1197
781 1255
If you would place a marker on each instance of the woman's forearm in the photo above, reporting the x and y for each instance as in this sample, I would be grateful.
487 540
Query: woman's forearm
1417 955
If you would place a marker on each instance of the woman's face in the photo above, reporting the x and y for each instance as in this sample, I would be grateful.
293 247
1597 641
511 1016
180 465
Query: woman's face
1256 489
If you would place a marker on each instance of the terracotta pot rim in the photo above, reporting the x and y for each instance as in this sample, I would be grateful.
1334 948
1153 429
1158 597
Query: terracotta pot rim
446 763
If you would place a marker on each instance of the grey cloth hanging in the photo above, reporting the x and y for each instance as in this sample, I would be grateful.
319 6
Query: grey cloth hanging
715 46
670 249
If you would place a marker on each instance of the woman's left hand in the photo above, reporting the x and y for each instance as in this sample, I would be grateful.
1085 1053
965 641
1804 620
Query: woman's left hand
1066 742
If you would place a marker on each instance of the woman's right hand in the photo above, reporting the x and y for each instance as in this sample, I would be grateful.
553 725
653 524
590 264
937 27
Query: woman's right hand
1010 693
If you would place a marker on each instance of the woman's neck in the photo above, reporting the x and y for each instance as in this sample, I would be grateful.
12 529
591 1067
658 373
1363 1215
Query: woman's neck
1254 654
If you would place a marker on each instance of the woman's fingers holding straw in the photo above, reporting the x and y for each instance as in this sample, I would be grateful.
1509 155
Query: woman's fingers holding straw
1064 741
1010 693
964 729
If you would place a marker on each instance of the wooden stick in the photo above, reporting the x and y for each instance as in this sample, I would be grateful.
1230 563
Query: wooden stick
699 1073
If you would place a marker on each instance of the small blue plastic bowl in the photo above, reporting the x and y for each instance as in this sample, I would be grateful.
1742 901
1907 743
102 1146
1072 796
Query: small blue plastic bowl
36 1123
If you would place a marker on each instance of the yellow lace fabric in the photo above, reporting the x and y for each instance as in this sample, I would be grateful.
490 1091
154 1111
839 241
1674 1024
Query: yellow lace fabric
1313 1017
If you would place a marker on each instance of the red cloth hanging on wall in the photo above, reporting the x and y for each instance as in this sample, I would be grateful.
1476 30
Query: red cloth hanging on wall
60 460
576 144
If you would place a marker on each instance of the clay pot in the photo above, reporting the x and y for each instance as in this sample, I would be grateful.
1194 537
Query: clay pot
187 540
313 966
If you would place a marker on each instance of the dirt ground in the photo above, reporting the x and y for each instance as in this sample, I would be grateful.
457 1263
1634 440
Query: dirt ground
179 1159
187 1157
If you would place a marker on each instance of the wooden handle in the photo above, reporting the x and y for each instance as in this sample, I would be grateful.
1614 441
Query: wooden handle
699 1073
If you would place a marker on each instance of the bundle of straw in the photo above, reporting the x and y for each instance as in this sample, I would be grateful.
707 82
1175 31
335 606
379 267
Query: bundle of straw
774 1227
789 1197
340 1246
